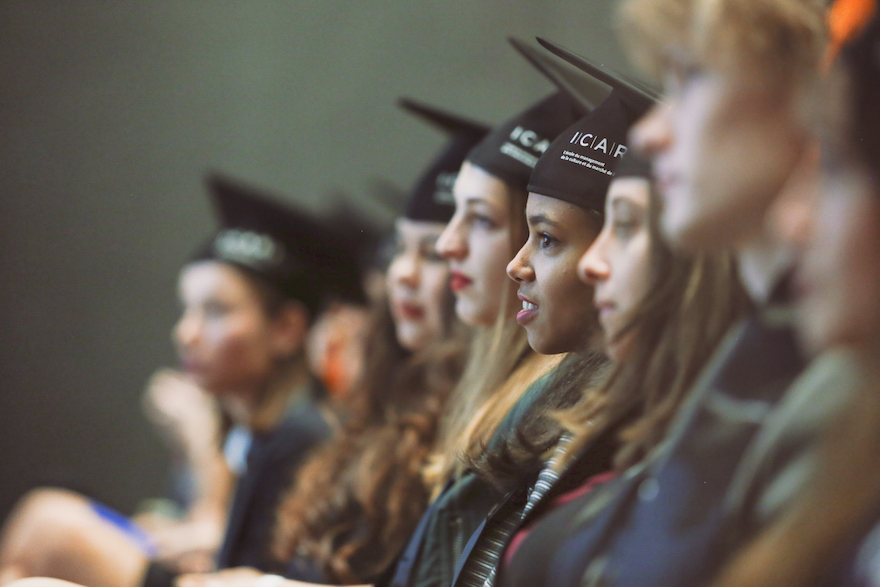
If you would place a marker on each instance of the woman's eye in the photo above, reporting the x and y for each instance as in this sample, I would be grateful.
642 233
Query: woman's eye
481 220
216 310
625 228
545 240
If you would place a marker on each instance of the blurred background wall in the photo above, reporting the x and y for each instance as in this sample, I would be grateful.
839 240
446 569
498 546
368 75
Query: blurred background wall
110 112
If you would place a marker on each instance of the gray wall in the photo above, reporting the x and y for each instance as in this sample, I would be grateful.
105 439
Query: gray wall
109 114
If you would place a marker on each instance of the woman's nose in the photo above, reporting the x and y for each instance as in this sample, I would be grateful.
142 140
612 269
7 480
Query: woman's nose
592 268
406 271
186 331
520 269
452 243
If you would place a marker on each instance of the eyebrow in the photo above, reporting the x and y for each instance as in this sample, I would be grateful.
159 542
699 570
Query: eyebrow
542 219
475 201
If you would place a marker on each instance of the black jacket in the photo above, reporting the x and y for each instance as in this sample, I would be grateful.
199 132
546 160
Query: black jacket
272 461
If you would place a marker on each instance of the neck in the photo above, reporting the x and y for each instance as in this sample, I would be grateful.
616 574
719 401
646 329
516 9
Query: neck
240 405
762 262
261 408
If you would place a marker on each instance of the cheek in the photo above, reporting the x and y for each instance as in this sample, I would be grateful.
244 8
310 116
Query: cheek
434 293
634 274
391 276
494 255
240 350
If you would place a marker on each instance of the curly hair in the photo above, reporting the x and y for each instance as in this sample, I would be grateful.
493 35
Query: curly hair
357 500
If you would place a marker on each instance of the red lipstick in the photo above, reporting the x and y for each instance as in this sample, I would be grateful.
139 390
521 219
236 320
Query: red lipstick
459 281
411 311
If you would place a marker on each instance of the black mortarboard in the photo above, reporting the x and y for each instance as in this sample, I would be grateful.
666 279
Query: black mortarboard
578 166
861 56
512 149
634 92
291 249
431 199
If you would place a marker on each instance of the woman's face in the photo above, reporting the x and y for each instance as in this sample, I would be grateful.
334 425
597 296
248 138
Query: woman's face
418 278
477 244
225 340
722 145
618 264
557 309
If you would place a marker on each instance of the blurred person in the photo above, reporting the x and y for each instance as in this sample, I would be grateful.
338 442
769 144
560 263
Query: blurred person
248 298
829 536
186 529
662 314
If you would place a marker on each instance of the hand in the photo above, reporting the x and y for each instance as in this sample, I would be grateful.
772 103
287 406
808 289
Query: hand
238 577
187 415
189 546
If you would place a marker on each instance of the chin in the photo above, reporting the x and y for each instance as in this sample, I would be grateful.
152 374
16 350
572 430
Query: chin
542 346
471 314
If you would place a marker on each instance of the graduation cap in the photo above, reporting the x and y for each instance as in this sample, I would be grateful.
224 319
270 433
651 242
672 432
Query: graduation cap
512 149
431 199
635 92
861 57
578 165
291 249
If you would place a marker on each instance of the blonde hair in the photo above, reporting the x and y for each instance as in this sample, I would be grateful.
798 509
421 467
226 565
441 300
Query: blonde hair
499 369
782 39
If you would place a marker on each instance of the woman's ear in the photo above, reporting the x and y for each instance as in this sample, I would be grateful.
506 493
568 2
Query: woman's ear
289 329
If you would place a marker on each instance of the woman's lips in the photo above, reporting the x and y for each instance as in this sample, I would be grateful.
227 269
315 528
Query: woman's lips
605 309
459 281
528 312
411 311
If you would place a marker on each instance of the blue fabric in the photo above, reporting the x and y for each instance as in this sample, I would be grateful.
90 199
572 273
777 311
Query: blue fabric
134 532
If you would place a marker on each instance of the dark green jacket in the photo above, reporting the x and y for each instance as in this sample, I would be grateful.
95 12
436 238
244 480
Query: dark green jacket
457 513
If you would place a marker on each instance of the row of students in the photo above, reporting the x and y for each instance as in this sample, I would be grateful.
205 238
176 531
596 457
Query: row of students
697 449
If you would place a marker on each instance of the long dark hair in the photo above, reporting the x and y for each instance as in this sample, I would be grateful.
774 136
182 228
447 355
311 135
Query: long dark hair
694 300
357 500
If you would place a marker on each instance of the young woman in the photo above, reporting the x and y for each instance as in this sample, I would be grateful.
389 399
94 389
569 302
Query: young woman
248 298
662 314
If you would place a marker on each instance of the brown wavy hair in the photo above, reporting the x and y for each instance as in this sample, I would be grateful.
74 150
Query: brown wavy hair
357 499
694 300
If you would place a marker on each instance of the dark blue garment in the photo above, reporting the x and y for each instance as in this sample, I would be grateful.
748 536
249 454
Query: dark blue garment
272 461
662 523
